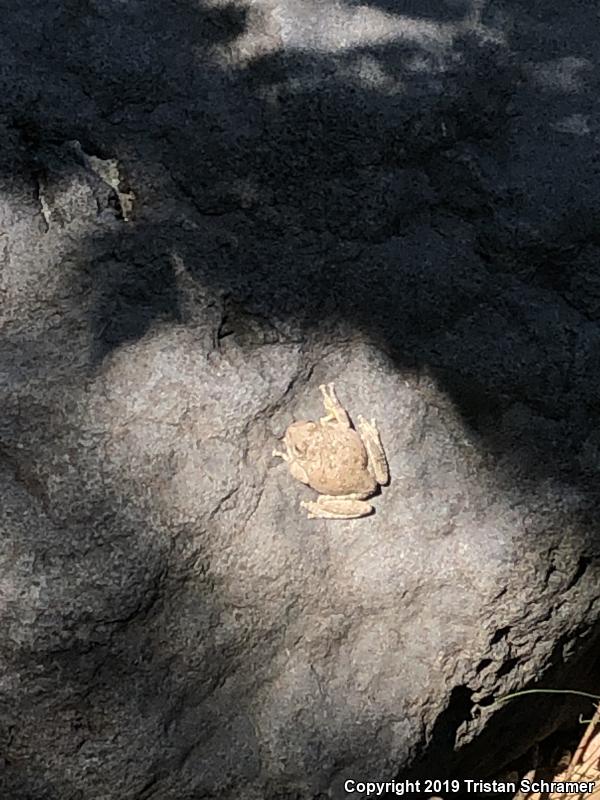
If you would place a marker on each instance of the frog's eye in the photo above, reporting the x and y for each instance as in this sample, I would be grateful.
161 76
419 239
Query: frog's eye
299 448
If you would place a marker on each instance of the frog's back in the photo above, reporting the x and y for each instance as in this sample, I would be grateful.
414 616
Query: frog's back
342 467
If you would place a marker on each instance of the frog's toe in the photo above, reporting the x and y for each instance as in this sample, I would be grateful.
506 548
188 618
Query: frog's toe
335 410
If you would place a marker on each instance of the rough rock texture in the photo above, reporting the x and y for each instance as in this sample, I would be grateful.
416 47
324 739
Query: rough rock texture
205 211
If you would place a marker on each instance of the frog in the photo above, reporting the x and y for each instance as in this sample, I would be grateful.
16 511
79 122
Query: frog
346 465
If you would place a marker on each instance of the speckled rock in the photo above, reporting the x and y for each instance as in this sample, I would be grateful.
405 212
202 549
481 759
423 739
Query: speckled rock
206 210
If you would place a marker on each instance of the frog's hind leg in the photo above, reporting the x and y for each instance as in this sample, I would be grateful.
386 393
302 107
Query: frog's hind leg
350 506
335 410
378 464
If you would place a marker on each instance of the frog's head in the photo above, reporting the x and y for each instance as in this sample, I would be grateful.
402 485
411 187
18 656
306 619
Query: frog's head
300 436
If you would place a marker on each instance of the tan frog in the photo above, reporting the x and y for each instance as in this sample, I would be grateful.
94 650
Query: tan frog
343 464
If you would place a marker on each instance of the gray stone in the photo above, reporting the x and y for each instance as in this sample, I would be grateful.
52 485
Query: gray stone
206 210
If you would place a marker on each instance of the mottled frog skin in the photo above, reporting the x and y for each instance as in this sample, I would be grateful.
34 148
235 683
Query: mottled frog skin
345 465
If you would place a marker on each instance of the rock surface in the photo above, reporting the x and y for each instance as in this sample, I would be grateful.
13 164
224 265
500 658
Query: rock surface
206 210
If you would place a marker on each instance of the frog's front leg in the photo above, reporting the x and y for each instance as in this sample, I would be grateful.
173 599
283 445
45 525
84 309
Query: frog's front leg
296 469
349 506
377 460
335 410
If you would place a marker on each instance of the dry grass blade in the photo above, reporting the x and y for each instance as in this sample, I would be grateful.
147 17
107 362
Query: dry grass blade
584 766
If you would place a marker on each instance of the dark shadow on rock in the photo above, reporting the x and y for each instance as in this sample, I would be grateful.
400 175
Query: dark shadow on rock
328 203
519 723
114 588
131 296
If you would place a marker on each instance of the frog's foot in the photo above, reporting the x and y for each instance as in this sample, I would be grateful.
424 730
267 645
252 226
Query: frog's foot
376 454
335 410
341 507
279 454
